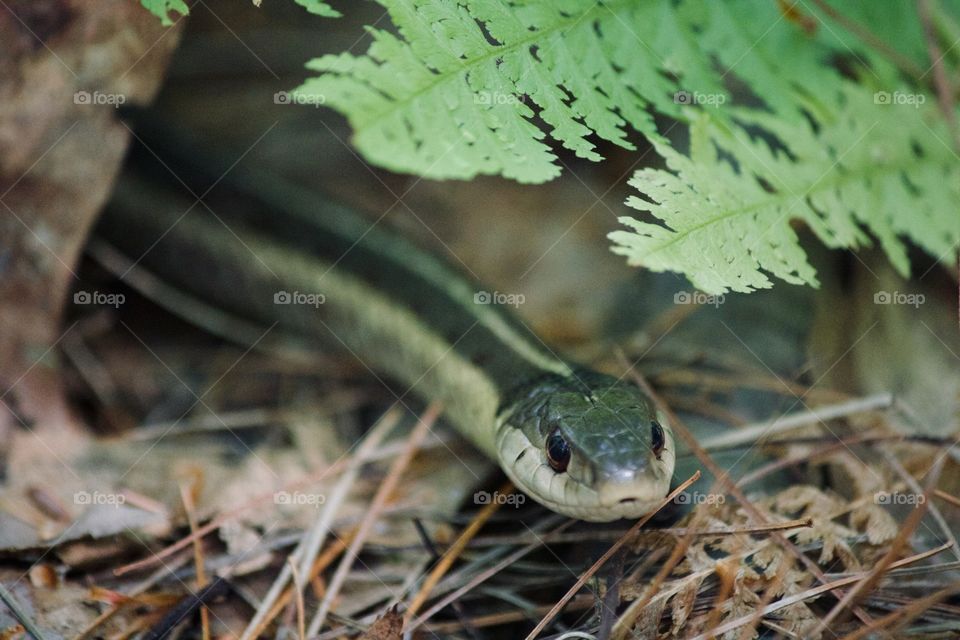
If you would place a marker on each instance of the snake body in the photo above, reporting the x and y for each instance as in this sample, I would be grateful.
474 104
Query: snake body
580 442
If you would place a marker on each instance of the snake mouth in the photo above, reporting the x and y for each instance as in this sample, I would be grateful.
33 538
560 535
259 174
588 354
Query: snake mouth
629 508
565 493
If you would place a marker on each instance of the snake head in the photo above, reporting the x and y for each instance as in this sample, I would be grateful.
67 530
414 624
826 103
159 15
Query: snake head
588 446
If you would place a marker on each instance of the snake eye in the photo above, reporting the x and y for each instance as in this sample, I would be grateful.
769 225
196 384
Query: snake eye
657 440
558 452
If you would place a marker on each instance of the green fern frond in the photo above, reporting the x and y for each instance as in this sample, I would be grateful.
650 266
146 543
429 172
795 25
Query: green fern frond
319 8
470 87
456 93
726 229
163 8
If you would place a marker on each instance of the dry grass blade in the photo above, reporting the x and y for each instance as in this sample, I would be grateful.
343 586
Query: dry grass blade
485 575
258 500
946 497
187 496
325 559
312 540
750 434
453 552
898 618
547 619
387 487
298 592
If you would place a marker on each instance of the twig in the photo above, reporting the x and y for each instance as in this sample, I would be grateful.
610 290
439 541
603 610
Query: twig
902 62
188 506
547 619
435 557
751 434
386 488
162 572
186 608
943 495
932 508
783 463
577 604
19 613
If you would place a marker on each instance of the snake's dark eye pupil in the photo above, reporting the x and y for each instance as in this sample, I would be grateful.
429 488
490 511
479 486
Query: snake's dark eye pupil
657 439
558 452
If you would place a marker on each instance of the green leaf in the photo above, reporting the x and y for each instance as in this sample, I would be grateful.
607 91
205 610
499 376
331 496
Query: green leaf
163 8
319 7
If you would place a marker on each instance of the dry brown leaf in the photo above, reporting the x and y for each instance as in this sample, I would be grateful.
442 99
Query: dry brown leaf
389 626
681 605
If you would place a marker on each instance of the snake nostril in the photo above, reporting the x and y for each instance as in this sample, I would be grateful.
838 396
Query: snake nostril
628 500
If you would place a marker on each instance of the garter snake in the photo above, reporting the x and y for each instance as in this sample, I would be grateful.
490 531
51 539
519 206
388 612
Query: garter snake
580 442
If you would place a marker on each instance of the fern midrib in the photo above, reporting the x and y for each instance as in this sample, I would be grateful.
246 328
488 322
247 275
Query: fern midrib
397 105
848 177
